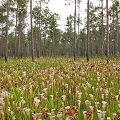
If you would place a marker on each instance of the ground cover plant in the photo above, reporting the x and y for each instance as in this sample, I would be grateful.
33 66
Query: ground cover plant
60 89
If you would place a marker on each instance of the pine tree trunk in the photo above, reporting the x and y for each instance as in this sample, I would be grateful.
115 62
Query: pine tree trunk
102 32
6 47
117 40
39 39
38 43
2 52
88 32
107 13
78 38
21 46
114 51
19 35
32 43
44 49
16 34
74 33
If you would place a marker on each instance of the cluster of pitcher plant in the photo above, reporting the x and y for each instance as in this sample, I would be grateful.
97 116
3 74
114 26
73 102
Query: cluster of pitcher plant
60 89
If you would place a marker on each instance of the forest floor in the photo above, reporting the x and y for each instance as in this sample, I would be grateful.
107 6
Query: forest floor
59 88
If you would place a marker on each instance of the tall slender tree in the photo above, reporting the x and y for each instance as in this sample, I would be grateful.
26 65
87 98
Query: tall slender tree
32 43
117 4
102 31
107 13
16 32
39 39
74 51
20 32
78 37
88 31
7 21
113 16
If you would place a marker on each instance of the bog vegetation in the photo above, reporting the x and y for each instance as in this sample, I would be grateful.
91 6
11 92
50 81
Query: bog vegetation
60 88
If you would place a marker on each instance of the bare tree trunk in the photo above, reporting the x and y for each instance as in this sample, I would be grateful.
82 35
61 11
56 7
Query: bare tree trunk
117 40
2 43
114 51
44 49
39 39
92 40
19 36
71 41
88 32
6 47
52 48
74 33
21 46
36 41
78 38
107 13
16 34
32 42
102 32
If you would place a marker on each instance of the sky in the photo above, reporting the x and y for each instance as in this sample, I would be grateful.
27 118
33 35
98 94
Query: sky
59 7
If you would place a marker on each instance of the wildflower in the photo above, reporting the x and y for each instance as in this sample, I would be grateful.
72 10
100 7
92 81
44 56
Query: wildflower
84 114
108 118
36 101
51 96
91 96
45 90
79 102
88 103
79 95
102 96
96 103
101 89
68 118
114 115
119 105
26 111
22 102
59 115
52 117
99 116
11 112
98 78
5 94
93 88
68 107
1 112
88 84
103 113
119 92
104 104
34 116
66 86
24 73
117 96
63 97
14 118
2 103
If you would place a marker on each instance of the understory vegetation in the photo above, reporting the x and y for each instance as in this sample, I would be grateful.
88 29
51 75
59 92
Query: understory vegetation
59 88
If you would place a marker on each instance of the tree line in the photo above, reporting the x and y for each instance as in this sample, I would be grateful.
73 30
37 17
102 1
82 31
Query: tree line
99 36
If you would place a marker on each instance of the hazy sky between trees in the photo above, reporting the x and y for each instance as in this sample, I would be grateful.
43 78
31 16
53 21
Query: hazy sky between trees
63 10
